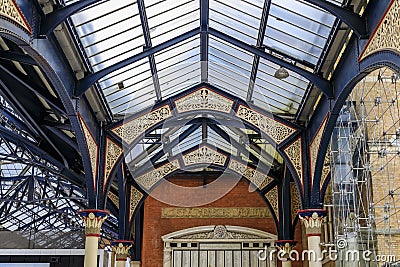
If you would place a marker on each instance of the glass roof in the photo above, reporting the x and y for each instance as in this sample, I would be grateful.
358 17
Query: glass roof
114 30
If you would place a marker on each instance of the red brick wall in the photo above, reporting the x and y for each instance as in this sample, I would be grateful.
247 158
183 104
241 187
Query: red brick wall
155 226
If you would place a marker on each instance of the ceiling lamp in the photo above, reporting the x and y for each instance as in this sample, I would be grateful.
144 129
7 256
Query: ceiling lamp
281 73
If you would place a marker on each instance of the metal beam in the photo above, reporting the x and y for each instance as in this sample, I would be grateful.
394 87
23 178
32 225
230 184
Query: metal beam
324 85
204 40
55 18
19 140
353 20
89 80
260 41
18 57
147 40
149 164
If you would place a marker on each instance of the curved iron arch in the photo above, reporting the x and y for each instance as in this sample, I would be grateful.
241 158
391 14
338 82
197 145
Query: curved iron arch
385 58
21 38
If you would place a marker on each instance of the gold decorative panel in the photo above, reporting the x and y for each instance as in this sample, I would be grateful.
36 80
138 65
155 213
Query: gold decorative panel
149 179
239 212
272 197
204 155
10 10
204 99
113 152
132 129
114 198
294 153
136 196
259 179
326 169
275 130
295 200
92 149
314 147
386 35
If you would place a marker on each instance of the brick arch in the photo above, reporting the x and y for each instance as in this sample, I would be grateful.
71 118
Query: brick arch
283 134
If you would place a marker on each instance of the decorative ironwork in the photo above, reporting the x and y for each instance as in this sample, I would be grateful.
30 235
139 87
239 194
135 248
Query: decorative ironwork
10 10
149 179
314 146
326 169
295 200
204 99
92 149
93 220
275 130
385 36
121 249
114 198
312 220
294 153
237 212
258 179
220 232
113 152
132 129
135 198
272 197
204 155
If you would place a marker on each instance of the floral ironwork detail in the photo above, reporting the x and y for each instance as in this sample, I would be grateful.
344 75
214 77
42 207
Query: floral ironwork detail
295 200
314 147
131 130
113 152
93 219
204 155
149 179
312 223
326 169
10 10
275 130
386 35
258 179
272 197
294 153
135 198
204 99
114 198
92 149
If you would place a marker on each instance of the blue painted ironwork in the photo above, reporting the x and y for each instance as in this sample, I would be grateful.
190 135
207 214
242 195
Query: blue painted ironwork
18 57
324 85
89 80
260 41
55 18
204 21
353 20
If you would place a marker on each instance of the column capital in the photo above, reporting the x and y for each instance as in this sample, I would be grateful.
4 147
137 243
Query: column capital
285 247
312 219
121 248
93 219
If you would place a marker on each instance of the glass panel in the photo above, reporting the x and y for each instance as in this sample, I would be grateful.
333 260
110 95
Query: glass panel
168 18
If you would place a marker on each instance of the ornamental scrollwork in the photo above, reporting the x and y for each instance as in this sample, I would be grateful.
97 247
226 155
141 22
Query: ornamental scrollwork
294 153
135 198
113 152
386 35
149 179
272 197
132 129
204 155
204 99
258 179
92 149
10 10
326 169
114 198
295 200
275 130
314 147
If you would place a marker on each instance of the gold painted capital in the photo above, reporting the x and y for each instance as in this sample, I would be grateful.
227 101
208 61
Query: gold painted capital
93 219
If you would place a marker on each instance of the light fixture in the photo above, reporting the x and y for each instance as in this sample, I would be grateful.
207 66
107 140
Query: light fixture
281 73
